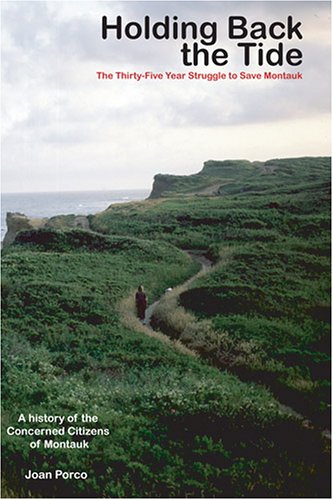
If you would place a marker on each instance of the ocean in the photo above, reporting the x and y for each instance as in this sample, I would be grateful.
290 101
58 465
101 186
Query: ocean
76 202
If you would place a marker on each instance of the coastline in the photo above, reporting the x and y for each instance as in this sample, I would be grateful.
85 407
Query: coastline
44 204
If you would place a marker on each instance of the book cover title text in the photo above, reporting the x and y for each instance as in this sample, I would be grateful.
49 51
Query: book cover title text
250 38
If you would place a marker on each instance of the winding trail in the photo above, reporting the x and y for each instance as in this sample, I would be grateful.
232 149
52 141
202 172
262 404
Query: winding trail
206 264
145 327
127 311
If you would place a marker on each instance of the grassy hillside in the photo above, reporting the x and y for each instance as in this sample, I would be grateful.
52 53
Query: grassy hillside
278 302
242 176
273 222
178 427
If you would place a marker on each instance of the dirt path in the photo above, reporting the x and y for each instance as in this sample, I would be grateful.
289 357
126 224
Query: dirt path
206 264
129 317
131 320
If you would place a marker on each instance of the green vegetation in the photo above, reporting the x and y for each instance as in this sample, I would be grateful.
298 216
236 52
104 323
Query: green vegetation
279 301
179 427
273 290
242 176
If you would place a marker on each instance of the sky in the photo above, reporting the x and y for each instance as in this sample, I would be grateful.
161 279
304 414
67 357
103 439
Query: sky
63 129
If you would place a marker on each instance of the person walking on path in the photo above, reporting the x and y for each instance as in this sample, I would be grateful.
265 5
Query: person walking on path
141 302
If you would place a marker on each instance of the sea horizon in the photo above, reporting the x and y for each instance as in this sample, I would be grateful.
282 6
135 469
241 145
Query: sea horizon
5 193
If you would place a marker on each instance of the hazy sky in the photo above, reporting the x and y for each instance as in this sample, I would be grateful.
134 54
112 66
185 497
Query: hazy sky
63 129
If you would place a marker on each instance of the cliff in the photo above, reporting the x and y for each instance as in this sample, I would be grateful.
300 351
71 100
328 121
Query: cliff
17 222
218 178
208 181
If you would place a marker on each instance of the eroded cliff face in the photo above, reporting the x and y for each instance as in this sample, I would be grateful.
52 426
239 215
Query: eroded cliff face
208 181
220 178
17 222
162 184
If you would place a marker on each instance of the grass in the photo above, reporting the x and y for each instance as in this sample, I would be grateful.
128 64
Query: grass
66 351
278 301
179 425
274 220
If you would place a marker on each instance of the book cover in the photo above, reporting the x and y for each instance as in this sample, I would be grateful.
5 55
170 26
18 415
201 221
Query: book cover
166 249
